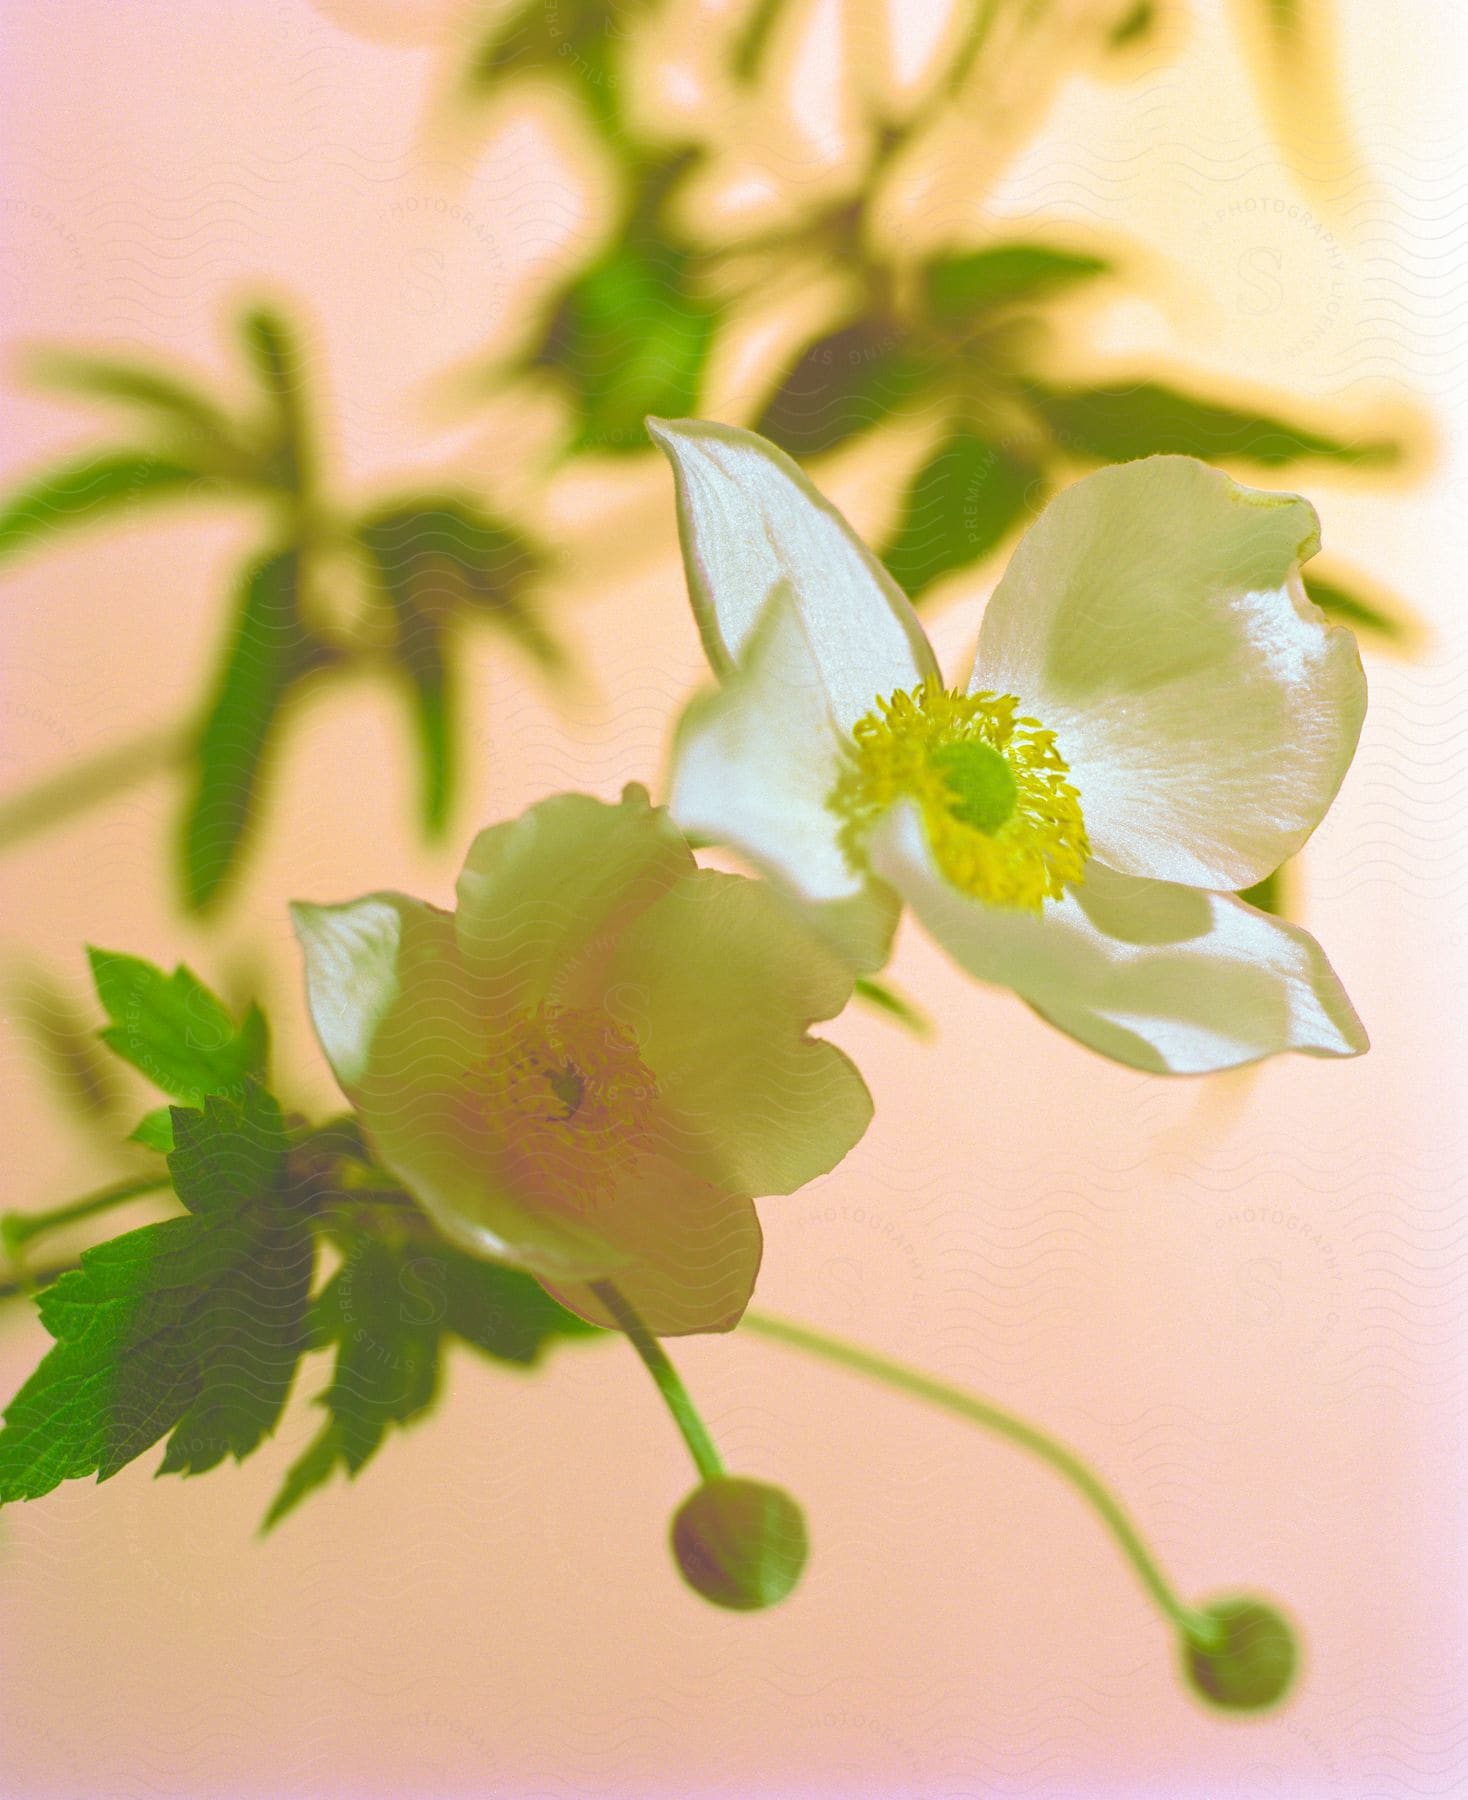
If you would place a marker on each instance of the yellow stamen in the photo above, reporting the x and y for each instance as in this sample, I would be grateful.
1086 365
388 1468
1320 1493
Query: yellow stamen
1004 822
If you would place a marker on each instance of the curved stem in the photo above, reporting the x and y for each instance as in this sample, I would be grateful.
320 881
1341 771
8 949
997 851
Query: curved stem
669 1384
1196 1626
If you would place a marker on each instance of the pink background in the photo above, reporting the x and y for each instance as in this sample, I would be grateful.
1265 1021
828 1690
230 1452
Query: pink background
1241 1298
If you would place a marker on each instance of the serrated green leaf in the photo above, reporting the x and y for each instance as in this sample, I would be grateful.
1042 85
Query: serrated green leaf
629 340
388 1311
959 287
154 1130
504 1314
843 385
1118 422
961 505
191 1327
228 1151
93 488
269 650
174 1030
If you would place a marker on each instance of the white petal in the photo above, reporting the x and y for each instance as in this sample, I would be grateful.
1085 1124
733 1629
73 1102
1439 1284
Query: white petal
755 760
750 521
1166 978
1153 617
541 892
718 983
355 956
752 766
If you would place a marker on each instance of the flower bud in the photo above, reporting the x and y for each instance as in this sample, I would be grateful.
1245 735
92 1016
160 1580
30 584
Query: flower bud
740 1543
1250 1661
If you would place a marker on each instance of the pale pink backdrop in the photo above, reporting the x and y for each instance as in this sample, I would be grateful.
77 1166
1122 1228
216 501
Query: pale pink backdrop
1241 1298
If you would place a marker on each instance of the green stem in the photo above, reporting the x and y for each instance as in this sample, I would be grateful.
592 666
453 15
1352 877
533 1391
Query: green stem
701 1446
1196 1626
17 1229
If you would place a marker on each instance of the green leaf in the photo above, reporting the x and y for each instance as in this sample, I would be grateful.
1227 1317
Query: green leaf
958 287
1134 26
842 385
174 1030
275 355
629 339
577 37
227 1151
433 558
269 650
749 46
1116 423
960 506
387 1312
163 398
191 1327
1352 599
154 1130
1273 894
881 996
93 488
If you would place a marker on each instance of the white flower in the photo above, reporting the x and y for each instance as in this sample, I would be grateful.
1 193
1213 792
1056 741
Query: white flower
1157 716
592 1066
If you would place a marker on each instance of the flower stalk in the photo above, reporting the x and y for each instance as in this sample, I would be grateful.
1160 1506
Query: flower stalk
669 1383
1196 1627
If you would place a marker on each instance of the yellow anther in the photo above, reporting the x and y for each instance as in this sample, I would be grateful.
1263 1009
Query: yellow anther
1004 821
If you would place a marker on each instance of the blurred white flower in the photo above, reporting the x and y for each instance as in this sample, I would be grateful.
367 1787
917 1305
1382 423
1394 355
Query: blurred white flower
592 1066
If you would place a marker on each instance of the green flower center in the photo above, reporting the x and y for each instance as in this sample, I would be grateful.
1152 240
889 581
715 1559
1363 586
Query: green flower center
1002 817
982 783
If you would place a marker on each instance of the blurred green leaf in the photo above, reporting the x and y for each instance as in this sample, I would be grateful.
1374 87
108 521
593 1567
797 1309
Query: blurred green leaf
174 1030
269 650
957 287
576 37
1352 599
1133 26
960 505
60 1027
275 355
842 385
193 1326
629 340
881 996
94 488
754 36
1145 418
432 558
387 1312
163 398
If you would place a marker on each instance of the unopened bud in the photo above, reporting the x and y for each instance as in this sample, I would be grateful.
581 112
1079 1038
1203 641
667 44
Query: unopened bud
740 1543
1247 1662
